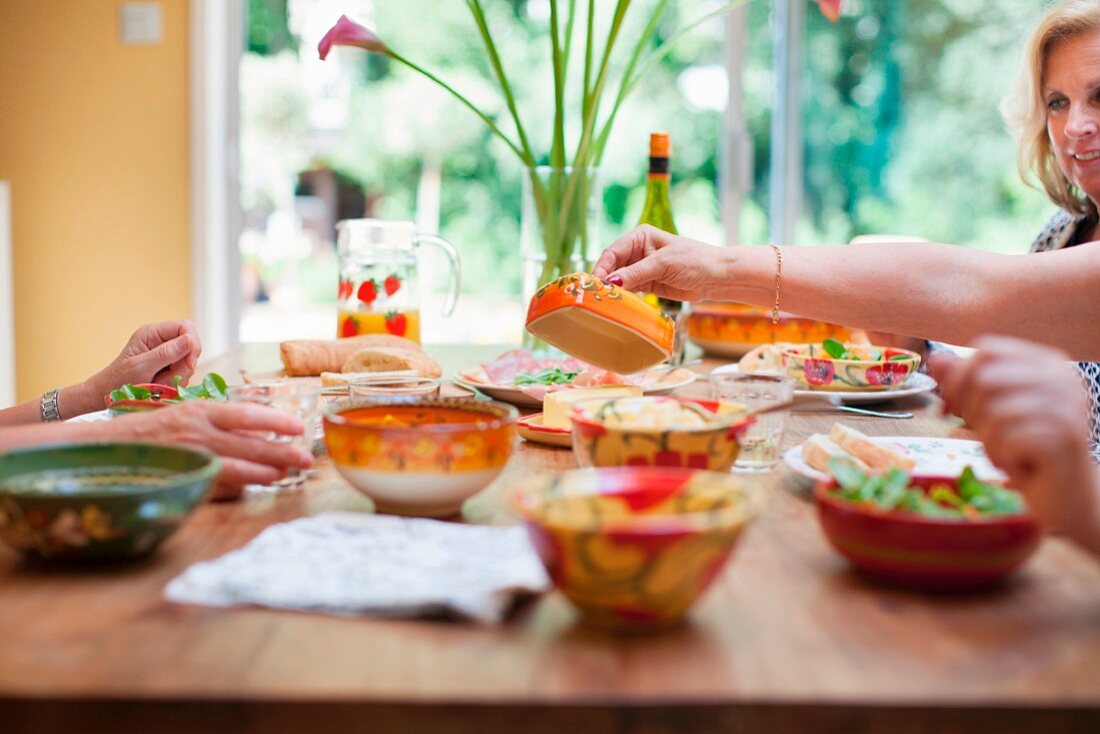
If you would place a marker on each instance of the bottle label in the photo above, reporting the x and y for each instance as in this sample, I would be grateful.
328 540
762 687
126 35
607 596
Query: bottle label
658 165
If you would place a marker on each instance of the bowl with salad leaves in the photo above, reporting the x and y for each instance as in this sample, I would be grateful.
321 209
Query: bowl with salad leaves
935 533
144 396
835 366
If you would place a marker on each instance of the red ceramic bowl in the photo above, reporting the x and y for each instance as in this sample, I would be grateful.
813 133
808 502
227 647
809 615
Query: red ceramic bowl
161 393
926 553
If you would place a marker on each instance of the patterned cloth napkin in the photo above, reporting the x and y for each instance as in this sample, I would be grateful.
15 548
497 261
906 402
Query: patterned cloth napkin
347 563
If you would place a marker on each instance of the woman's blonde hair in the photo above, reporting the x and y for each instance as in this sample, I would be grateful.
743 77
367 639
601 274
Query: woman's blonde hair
1025 112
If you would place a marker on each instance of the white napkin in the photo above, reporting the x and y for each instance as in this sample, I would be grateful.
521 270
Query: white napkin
347 563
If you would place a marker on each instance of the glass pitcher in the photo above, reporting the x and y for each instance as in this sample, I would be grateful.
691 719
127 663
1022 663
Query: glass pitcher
379 290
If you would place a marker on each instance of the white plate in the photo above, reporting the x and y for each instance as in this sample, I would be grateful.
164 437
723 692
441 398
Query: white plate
97 417
917 384
515 396
938 456
530 427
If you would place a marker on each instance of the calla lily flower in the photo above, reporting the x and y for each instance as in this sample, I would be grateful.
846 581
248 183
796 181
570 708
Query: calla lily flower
347 32
830 9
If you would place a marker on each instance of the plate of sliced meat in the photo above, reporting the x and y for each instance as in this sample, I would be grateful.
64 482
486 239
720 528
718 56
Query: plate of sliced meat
523 379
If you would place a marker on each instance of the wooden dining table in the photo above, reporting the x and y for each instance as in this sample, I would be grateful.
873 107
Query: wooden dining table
789 638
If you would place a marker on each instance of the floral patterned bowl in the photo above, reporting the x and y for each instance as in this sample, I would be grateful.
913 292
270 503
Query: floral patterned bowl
877 368
633 548
926 553
732 329
600 324
98 501
420 457
601 436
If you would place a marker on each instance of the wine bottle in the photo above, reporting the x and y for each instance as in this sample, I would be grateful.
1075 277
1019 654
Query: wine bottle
657 212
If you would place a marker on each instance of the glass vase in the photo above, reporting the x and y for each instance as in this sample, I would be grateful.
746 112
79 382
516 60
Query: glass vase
560 228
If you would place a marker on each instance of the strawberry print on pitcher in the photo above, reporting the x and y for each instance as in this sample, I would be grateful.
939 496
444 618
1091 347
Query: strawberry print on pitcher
378 290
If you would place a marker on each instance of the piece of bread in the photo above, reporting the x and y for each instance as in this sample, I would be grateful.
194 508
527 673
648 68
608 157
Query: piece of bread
876 456
818 449
392 359
314 356
764 358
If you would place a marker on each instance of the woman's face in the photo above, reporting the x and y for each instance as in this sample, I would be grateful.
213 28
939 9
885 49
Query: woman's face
1071 90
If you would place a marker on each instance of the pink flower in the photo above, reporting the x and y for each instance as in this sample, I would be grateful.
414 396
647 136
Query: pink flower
347 32
830 9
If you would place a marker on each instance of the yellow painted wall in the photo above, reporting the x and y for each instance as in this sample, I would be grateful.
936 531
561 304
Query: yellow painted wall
93 138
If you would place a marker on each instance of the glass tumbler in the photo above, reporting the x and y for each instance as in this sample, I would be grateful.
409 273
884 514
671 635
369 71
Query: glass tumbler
300 400
385 387
761 443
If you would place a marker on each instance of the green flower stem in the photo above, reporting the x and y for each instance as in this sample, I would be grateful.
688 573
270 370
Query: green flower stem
498 68
630 81
557 147
580 160
457 95
569 30
588 39
628 71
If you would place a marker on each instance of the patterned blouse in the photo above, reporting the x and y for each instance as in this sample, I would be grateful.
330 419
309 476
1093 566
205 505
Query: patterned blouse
1065 230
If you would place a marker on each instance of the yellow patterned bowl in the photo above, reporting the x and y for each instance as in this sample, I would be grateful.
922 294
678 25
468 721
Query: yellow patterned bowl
870 368
732 329
633 548
643 431
422 458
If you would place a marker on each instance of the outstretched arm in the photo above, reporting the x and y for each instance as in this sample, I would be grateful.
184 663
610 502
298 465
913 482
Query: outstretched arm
934 291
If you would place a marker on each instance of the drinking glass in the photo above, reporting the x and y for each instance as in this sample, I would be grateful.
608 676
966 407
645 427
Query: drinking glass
384 387
761 442
299 400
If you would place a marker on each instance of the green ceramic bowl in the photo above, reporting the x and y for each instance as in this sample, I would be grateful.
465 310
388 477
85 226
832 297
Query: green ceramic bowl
92 501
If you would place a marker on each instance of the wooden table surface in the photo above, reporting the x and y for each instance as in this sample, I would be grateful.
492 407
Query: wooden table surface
788 639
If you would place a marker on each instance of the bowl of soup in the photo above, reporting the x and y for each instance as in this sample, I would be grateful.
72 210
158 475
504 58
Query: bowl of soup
81 502
420 457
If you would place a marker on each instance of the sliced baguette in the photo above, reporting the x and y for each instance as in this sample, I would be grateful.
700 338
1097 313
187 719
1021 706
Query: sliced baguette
390 359
876 456
302 357
818 449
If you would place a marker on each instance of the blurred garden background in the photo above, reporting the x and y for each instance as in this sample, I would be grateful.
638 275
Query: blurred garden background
901 135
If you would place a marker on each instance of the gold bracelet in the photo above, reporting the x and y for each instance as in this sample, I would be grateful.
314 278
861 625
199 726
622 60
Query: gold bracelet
778 275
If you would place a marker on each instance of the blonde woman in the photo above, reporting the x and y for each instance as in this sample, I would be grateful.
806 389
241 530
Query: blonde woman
940 291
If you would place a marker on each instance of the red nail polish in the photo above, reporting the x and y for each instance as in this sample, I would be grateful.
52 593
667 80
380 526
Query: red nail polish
615 279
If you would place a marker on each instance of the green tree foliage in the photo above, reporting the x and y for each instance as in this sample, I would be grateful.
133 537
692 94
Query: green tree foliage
901 127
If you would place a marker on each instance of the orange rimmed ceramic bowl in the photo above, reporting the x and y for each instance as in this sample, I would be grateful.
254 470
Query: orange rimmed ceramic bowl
733 329
643 431
933 554
421 458
600 323
877 368
633 548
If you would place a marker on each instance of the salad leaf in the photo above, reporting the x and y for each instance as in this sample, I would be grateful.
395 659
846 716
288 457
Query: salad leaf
131 392
552 376
972 498
213 387
836 349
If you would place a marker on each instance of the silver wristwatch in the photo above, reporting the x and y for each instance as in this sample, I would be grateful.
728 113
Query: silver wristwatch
50 413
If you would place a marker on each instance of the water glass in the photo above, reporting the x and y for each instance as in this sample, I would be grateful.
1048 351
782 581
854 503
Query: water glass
385 387
761 442
299 400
